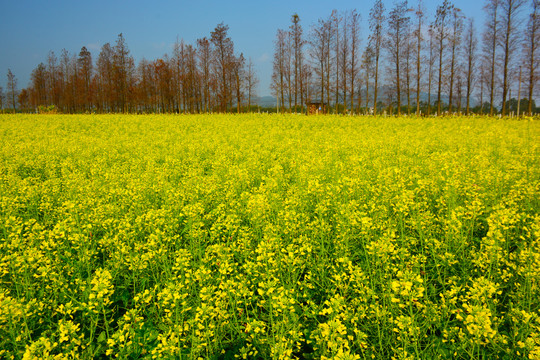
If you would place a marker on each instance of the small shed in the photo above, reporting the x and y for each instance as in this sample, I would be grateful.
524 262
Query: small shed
316 107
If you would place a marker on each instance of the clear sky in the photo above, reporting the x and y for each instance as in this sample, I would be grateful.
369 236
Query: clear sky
29 29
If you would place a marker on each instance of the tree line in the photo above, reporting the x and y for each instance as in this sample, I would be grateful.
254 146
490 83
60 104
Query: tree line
411 61
202 77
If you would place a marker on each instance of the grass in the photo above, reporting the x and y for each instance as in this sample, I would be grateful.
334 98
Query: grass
268 236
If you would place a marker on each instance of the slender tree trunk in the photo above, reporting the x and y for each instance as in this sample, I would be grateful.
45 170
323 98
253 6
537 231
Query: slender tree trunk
408 79
367 90
470 63
430 73
493 55
301 83
418 74
452 72
440 79
359 106
328 69
420 16
337 64
398 84
531 88
376 88
506 62
519 93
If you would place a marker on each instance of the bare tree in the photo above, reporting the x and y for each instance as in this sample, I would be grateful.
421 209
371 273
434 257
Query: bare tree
456 20
336 19
320 52
483 84
329 53
238 84
123 69
179 71
306 81
348 58
23 99
470 58
223 56
205 57
344 54
161 69
279 75
289 69
85 69
518 112
298 60
509 40
53 80
105 77
354 44
192 84
408 64
73 83
376 25
441 33
431 64
418 36
39 92
395 44
145 89
459 86
531 55
11 90
251 82
490 38
67 102
368 66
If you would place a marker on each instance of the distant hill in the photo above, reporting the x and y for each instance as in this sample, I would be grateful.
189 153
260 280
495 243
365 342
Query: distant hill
266 101
270 101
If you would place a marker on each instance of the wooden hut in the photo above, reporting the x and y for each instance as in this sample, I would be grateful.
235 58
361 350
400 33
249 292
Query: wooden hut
316 107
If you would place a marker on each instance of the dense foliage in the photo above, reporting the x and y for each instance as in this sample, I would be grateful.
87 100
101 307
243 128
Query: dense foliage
268 236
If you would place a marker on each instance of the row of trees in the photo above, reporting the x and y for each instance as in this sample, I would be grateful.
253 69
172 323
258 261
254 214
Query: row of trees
9 99
408 56
410 62
206 76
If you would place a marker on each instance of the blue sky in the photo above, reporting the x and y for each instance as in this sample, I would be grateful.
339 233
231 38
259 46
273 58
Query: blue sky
31 28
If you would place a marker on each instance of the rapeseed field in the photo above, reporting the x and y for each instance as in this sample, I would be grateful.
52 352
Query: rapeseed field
269 237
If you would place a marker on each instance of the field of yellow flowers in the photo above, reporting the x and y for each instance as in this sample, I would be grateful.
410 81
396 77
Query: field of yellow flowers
269 237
